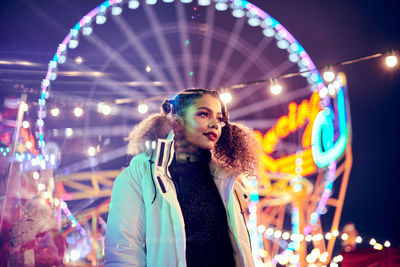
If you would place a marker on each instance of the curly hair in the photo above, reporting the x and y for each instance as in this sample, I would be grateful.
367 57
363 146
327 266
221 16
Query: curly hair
236 150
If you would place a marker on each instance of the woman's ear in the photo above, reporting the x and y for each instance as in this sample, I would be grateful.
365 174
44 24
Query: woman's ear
177 118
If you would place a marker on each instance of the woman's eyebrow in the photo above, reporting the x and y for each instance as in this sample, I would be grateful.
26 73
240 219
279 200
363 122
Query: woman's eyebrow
209 110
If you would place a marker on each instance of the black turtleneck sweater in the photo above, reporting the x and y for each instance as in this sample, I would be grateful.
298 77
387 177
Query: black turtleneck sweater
206 227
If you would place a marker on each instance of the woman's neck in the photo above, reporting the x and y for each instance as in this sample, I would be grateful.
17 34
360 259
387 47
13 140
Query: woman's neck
186 152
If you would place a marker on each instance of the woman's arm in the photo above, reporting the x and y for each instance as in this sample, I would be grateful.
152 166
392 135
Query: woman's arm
125 233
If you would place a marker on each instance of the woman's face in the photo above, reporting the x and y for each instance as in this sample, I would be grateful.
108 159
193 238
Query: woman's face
202 122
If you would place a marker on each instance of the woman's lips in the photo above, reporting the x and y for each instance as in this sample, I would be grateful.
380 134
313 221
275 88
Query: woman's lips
211 136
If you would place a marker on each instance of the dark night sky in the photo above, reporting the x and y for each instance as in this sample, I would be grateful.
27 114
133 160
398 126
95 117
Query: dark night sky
330 31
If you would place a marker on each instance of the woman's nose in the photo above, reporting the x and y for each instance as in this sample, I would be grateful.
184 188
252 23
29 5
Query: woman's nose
213 123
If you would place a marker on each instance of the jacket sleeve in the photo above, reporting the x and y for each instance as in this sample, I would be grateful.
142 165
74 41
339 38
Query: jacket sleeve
125 233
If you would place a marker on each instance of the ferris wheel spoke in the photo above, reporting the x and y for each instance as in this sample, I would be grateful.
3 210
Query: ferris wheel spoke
114 85
135 42
92 161
228 51
163 44
187 56
267 103
254 56
122 63
206 49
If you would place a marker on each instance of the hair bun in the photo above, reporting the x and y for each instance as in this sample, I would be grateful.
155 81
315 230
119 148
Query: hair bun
166 106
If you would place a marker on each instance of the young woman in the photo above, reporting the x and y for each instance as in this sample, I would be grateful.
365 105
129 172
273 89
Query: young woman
178 202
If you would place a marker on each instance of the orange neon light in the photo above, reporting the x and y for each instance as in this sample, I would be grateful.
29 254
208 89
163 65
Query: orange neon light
297 117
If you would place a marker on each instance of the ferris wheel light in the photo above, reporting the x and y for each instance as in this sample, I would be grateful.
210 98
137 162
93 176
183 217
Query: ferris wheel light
386 244
91 151
269 231
226 97
151 2
378 246
148 68
143 108
276 89
372 242
254 21
186 1
133 4
391 61
221 6
87 30
55 112
345 236
238 13
116 10
204 2
73 43
28 145
358 239
168 1
101 19
74 255
78 112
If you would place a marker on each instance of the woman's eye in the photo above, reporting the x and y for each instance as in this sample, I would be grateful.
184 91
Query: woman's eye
220 119
203 114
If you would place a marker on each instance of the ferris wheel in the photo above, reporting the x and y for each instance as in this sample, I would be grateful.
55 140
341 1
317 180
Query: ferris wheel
123 57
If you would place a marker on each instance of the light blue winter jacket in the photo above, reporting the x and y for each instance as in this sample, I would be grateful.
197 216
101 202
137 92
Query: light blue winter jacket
145 225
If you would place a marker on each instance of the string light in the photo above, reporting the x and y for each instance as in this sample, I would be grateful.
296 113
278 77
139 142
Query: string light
329 75
391 61
143 108
275 88
55 112
226 97
79 60
78 111
133 4
91 151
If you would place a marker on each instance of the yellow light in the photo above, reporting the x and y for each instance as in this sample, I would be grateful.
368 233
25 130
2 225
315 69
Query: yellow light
25 124
308 238
335 232
277 234
226 97
143 108
378 246
78 60
261 228
358 239
91 151
56 202
285 235
78 111
276 89
386 244
55 112
24 106
28 145
35 175
391 61
345 236
328 236
269 231
372 242
316 252
310 258
333 264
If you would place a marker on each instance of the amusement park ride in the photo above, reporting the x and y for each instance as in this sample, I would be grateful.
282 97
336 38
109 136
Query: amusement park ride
305 132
